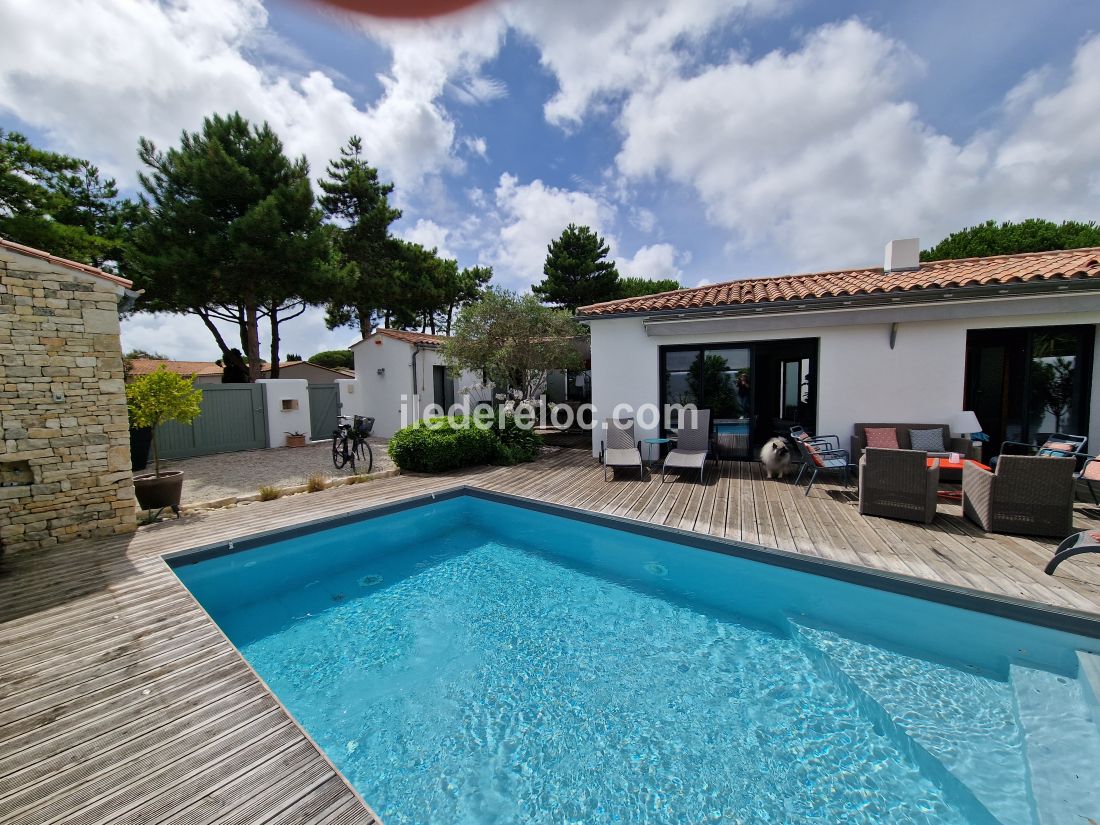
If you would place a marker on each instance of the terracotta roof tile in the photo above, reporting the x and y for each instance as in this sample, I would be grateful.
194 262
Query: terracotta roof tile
64 262
144 366
1003 269
410 337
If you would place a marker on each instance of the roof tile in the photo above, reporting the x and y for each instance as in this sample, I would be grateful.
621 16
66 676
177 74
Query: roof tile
1002 269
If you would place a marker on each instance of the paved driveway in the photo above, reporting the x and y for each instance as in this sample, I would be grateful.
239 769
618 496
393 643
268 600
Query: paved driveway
211 477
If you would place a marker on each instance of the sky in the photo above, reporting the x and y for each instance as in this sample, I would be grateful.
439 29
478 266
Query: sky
705 140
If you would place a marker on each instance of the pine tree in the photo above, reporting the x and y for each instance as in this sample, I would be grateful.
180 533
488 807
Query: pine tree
229 231
576 272
358 204
61 204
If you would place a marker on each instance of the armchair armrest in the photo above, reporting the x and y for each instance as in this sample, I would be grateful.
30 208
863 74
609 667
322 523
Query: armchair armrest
833 441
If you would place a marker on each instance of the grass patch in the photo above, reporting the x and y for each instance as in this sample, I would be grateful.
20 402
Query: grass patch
316 483
269 492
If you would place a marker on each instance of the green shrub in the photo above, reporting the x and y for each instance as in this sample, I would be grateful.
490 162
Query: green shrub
435 446
517 444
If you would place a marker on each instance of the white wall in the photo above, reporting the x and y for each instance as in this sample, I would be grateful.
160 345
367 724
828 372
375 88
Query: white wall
859 377
280 421
382 395
352 397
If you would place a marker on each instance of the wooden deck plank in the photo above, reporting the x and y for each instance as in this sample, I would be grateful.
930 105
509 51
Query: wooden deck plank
121 702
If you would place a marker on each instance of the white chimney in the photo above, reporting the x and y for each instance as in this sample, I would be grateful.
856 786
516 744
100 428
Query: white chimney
903 255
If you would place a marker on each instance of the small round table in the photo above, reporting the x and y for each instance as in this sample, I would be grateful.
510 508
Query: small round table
654 442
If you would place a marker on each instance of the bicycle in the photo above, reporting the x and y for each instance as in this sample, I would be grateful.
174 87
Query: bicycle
349 442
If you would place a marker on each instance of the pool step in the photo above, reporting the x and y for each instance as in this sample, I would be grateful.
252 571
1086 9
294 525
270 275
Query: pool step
1061 743
957 727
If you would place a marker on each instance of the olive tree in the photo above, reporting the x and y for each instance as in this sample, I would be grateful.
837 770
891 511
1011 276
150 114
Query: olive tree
515 340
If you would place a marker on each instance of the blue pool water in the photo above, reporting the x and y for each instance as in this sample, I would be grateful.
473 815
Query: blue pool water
468 661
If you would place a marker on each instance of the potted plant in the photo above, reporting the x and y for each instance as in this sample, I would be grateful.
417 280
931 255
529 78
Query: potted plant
155 399
295 439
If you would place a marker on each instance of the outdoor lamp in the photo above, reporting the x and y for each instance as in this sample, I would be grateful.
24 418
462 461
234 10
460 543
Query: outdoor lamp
966 423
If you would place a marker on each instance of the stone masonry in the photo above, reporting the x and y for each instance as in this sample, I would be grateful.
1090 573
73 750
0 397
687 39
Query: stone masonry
64 436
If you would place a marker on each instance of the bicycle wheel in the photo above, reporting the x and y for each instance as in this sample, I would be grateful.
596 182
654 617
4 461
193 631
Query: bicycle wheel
339 451
367 453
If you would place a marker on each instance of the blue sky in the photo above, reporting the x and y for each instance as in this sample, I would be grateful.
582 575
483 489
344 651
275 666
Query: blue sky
705 139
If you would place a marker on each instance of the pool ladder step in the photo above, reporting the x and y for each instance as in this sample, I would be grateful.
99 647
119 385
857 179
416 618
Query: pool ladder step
900 694
1058 718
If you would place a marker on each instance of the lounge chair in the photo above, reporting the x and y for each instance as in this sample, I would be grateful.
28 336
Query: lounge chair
820 454
621 449
1056 446
898 484
1089 473
692 444
1027 494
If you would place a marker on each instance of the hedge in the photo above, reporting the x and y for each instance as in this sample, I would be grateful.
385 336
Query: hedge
436 445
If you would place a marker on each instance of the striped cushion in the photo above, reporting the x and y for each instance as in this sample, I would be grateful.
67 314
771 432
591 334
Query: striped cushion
885 438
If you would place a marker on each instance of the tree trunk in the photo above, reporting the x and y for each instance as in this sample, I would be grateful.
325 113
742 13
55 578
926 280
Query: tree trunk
252 339
224 347
274 318
364 321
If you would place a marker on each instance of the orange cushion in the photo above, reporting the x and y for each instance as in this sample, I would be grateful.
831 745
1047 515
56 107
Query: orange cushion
885 438
1091 471
815 455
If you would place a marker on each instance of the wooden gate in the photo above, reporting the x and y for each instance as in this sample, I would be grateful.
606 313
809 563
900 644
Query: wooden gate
233 417
324 407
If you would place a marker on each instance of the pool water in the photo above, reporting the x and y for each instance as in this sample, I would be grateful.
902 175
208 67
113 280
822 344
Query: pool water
469 661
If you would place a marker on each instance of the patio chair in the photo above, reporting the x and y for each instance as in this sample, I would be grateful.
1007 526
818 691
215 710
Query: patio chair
1089 473
1056 445
820 454
692 444
898 484
621 448
798 434
1026 494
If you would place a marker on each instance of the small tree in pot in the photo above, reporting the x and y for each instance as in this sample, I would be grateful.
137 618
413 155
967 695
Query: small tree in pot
155 399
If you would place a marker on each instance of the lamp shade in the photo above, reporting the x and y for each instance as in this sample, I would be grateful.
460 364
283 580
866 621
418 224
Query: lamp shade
965 422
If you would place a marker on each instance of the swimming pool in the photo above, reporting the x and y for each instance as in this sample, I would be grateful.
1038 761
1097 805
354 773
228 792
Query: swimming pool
469 660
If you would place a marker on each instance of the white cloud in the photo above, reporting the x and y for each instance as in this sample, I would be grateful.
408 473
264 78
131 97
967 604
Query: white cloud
98 76
531 215
429 234
599 50
817 154
654 262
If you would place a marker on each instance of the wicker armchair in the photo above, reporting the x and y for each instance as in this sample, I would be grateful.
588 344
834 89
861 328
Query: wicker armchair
1031 495
898 484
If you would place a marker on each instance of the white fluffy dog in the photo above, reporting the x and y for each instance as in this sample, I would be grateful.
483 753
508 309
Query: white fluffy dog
775 455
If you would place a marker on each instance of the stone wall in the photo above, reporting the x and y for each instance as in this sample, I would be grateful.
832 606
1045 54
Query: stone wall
64 436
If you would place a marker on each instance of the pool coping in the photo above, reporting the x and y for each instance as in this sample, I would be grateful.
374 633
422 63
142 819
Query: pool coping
1008 607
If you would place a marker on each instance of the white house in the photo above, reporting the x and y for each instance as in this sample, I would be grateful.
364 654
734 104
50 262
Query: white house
1012 338
400 372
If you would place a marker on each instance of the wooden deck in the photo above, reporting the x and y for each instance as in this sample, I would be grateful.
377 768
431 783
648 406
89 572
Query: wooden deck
121 702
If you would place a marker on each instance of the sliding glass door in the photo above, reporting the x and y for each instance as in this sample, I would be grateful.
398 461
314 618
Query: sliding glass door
754 391
1024 384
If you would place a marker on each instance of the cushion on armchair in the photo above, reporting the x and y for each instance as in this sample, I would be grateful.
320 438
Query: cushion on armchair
928 441
883 437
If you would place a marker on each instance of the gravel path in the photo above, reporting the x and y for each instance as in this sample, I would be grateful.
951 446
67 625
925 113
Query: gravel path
211 477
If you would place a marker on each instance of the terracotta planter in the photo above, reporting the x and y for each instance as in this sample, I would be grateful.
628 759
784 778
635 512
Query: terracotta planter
295 440
157 492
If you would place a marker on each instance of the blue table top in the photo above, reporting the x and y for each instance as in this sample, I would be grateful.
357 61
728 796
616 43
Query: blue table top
656 440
